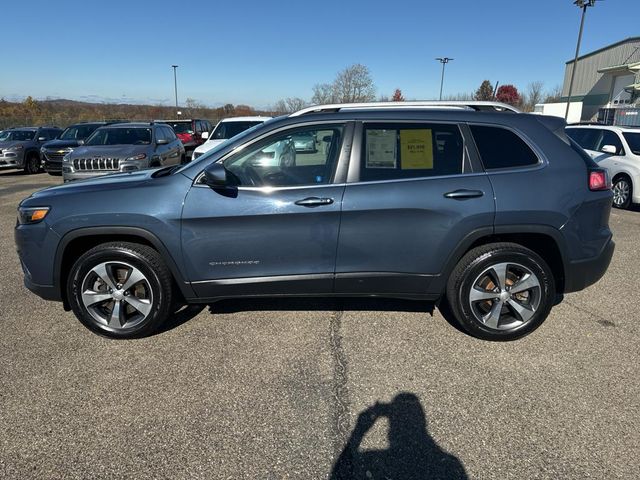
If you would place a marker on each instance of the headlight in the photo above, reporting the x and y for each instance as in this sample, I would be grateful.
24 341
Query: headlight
28 215
140 156
66 158
42 150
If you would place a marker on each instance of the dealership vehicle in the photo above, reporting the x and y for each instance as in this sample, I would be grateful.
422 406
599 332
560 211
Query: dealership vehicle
305 142
618 150
191 132
53 151
226 129
20 147
123 147
490 215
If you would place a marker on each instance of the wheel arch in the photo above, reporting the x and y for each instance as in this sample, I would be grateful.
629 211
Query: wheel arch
76 242
545 241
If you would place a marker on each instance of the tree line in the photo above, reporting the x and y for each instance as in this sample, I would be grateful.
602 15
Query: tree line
354 84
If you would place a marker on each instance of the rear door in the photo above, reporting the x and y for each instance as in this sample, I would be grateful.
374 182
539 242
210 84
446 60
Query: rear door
414 194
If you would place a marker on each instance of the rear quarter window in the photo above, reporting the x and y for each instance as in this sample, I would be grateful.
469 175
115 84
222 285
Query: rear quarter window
502 148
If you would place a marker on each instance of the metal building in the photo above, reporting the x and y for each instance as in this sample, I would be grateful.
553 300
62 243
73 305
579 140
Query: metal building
608 77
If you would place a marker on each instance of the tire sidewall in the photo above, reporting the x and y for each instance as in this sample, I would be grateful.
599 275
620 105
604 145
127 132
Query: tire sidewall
627 202
477 266
89 260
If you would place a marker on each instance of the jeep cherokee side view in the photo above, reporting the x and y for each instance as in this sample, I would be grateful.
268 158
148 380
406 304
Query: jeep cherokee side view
490 214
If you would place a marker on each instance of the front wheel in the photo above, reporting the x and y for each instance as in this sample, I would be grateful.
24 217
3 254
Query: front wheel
121 290
500 291
32 163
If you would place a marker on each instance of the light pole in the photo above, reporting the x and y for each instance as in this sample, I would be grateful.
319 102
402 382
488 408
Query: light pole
443 61
175 83
583 4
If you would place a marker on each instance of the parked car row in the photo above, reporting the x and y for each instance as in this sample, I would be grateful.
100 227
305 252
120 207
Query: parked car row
20 147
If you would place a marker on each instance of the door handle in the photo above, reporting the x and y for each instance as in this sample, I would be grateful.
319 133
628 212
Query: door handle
461 194
314 202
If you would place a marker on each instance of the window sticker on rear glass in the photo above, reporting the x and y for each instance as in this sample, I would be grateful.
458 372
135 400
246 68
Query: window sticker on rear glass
381 148
416 149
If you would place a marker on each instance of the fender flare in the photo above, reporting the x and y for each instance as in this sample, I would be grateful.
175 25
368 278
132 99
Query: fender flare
183 285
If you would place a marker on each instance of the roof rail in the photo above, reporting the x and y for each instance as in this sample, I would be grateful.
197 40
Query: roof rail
468 105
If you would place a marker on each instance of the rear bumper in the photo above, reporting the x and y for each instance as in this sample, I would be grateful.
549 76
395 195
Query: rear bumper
579 275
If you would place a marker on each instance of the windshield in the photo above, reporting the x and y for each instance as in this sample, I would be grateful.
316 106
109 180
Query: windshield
633 139
224 145
226 130
180 127
120 136
78 132
18 135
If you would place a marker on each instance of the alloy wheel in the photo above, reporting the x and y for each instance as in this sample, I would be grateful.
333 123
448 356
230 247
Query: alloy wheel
505 296
621 190
117 295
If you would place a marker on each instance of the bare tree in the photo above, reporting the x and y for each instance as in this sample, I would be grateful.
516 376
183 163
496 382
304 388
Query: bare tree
554 95
533 95
289 105
354 84
323 93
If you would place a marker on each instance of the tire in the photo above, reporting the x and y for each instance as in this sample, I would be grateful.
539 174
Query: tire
622 192
493 310
112 265
32 163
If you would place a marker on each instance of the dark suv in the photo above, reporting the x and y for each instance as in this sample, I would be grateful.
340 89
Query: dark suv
20 147
491 215
53 151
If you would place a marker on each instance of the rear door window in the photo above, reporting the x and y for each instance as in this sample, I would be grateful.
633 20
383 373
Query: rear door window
397 151
502 148
587 138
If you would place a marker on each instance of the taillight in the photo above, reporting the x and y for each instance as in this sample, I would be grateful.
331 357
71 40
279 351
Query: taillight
599 180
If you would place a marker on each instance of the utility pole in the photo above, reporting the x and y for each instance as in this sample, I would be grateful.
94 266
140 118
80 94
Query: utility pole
175 83
443 61
583 4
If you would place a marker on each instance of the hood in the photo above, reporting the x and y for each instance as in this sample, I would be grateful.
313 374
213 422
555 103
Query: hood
53 144
10 143
109 151
105 182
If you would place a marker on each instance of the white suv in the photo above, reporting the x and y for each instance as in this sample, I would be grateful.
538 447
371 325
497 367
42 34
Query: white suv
618 150
225 129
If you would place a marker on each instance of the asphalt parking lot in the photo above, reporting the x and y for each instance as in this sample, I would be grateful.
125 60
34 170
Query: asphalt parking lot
275 389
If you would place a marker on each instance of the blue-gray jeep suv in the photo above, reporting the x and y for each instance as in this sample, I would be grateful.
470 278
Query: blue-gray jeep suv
491 215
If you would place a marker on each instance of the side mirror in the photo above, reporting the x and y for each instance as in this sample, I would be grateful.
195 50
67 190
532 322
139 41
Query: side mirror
215 175
42 139
80 142
327 138
205 135
610 149
162 141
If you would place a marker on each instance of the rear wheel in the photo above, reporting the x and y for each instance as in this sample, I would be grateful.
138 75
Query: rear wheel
501 291
622 192
32 163
121 290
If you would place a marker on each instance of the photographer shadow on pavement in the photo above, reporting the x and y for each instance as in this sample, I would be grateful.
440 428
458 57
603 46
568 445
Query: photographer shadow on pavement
412 452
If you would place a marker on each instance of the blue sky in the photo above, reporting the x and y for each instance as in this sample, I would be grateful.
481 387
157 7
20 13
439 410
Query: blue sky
256 52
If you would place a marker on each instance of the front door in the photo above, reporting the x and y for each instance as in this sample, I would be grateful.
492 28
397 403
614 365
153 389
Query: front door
415 198
277 232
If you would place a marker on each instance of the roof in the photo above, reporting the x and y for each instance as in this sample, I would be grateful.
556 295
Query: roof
621 42
129 125
245 119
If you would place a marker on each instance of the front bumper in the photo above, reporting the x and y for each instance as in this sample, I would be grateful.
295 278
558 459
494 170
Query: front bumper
12 159
579 275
